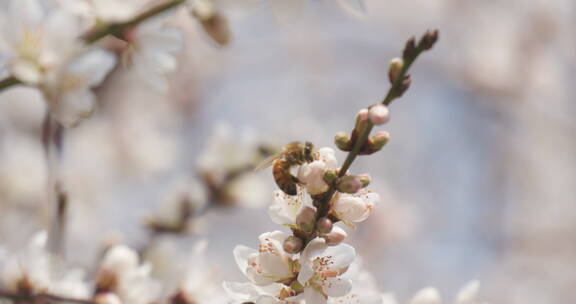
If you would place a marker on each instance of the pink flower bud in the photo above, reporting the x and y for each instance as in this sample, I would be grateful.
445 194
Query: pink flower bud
379 114
394 68
335 237
324 225
349 184
292 244
306 218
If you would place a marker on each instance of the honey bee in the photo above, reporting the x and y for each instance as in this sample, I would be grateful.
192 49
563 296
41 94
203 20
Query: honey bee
293 154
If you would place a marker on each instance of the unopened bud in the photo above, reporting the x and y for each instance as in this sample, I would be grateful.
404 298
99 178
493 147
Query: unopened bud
342 141
365 179
349 184
379 114
292 244
428 40
375 143
394 68
410 49
330 176
379 139
324 225
335 237
306 218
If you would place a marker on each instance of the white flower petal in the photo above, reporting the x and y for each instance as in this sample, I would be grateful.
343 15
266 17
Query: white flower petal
336 287
74 106
342 256
314 249
313 296
26 71
93 66
468 293
26 13
240 291
427 295
388 298
241 255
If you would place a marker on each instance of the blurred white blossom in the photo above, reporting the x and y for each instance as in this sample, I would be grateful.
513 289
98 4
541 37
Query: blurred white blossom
36 37
151 51
120 272
33 270
68 88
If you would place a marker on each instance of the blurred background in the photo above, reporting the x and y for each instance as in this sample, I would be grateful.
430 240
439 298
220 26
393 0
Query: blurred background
478 180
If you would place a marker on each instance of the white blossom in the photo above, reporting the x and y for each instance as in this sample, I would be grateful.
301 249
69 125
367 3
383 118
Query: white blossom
355 207
199 285
228 153
269 264
151 50
184 195
312 174
34 269
121 272
36 38
364 290
322 268
68 88
286 208
42 48
249 292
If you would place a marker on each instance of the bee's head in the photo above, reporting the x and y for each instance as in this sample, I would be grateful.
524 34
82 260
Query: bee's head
309 151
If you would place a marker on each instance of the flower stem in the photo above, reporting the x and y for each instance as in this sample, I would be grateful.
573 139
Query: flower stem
118 28
40 298
52 140
99 32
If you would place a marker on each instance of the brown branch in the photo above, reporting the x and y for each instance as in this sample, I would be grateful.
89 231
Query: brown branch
41 298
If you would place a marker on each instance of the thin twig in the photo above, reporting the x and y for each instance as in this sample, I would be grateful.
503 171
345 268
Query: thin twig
396 89
40 297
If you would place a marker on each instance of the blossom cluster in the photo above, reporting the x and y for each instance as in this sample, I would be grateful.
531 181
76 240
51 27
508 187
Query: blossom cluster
120 276
67 48
312 263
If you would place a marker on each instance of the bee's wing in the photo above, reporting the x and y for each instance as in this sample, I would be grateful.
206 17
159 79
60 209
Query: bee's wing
269 161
